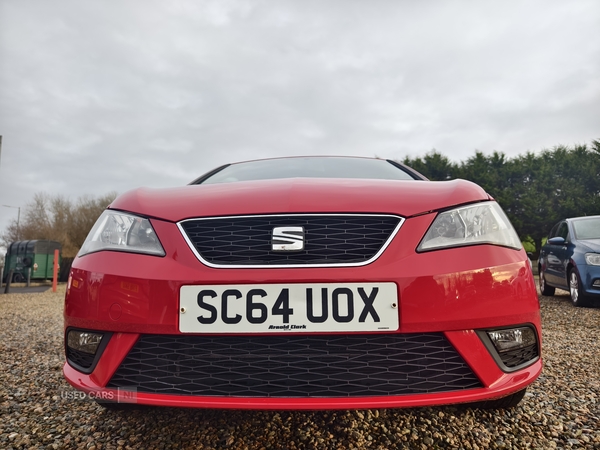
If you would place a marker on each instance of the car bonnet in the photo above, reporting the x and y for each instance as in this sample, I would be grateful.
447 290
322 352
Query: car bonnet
300 195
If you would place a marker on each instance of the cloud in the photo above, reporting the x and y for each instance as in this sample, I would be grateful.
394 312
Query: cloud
103 96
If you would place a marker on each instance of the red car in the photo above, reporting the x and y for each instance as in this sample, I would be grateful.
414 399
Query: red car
304 283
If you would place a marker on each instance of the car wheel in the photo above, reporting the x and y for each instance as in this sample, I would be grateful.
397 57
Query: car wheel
544 288
18 278
115 406
577 295
507 402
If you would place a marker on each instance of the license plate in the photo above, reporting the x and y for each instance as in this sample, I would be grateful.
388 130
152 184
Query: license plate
278 308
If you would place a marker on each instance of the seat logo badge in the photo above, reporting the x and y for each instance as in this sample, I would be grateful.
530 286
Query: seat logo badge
287 239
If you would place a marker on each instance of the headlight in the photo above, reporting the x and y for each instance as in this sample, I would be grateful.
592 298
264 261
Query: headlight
593 259
123 232
481 223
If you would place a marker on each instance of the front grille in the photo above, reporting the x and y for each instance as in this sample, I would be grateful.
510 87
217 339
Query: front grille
294 366
328 239
514 358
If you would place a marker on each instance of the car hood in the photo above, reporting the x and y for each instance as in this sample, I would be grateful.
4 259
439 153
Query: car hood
299 195
592 245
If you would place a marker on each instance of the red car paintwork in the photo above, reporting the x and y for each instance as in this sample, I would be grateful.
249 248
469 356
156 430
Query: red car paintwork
303 195
454 290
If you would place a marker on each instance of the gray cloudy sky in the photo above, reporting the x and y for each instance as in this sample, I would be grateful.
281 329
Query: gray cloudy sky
99 96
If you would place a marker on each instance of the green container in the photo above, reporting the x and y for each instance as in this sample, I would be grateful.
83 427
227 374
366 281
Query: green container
35 255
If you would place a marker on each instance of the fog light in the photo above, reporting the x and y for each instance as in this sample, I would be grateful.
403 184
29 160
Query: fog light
512 338
596 283
84 341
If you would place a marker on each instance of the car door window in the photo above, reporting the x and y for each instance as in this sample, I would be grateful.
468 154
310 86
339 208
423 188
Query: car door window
553 231
563 231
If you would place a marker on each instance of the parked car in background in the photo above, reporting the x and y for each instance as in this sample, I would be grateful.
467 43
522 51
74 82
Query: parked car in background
304 283
570 260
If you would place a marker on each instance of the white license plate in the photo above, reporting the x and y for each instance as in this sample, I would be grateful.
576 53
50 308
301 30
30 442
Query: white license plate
281 308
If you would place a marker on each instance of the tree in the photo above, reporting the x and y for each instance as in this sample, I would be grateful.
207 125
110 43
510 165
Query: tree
434 166
530 203
490 172
56 218
535 190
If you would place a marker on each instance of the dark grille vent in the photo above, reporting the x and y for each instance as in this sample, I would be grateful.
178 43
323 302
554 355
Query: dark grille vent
81 359
514 358
328 239
294 366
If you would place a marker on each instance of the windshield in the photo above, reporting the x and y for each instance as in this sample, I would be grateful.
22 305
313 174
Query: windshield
309 167
588 228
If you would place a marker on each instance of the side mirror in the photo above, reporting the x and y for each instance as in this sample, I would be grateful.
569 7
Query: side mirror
556 240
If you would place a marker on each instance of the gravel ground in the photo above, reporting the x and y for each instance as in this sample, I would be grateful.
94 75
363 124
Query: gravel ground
38 408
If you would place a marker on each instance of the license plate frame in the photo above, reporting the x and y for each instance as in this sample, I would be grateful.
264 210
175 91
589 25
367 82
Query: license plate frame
289 307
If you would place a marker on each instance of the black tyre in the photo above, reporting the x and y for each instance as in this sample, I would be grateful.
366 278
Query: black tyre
578 298
18 278
114 406
544 288
507 402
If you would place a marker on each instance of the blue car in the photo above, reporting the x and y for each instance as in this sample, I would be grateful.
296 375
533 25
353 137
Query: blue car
570 260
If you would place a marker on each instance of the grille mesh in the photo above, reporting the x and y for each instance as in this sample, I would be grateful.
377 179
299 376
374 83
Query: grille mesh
329 239
82 359
514 358
294 366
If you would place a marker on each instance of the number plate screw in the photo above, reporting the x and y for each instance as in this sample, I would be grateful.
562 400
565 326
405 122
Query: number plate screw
182 310
394 305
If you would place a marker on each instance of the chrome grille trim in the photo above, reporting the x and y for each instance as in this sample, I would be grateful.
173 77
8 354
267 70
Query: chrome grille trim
291 266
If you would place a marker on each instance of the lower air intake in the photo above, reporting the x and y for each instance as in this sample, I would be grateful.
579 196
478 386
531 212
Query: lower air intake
294 366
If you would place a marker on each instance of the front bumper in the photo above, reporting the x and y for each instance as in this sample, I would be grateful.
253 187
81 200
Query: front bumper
590 279
452 292
494 383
